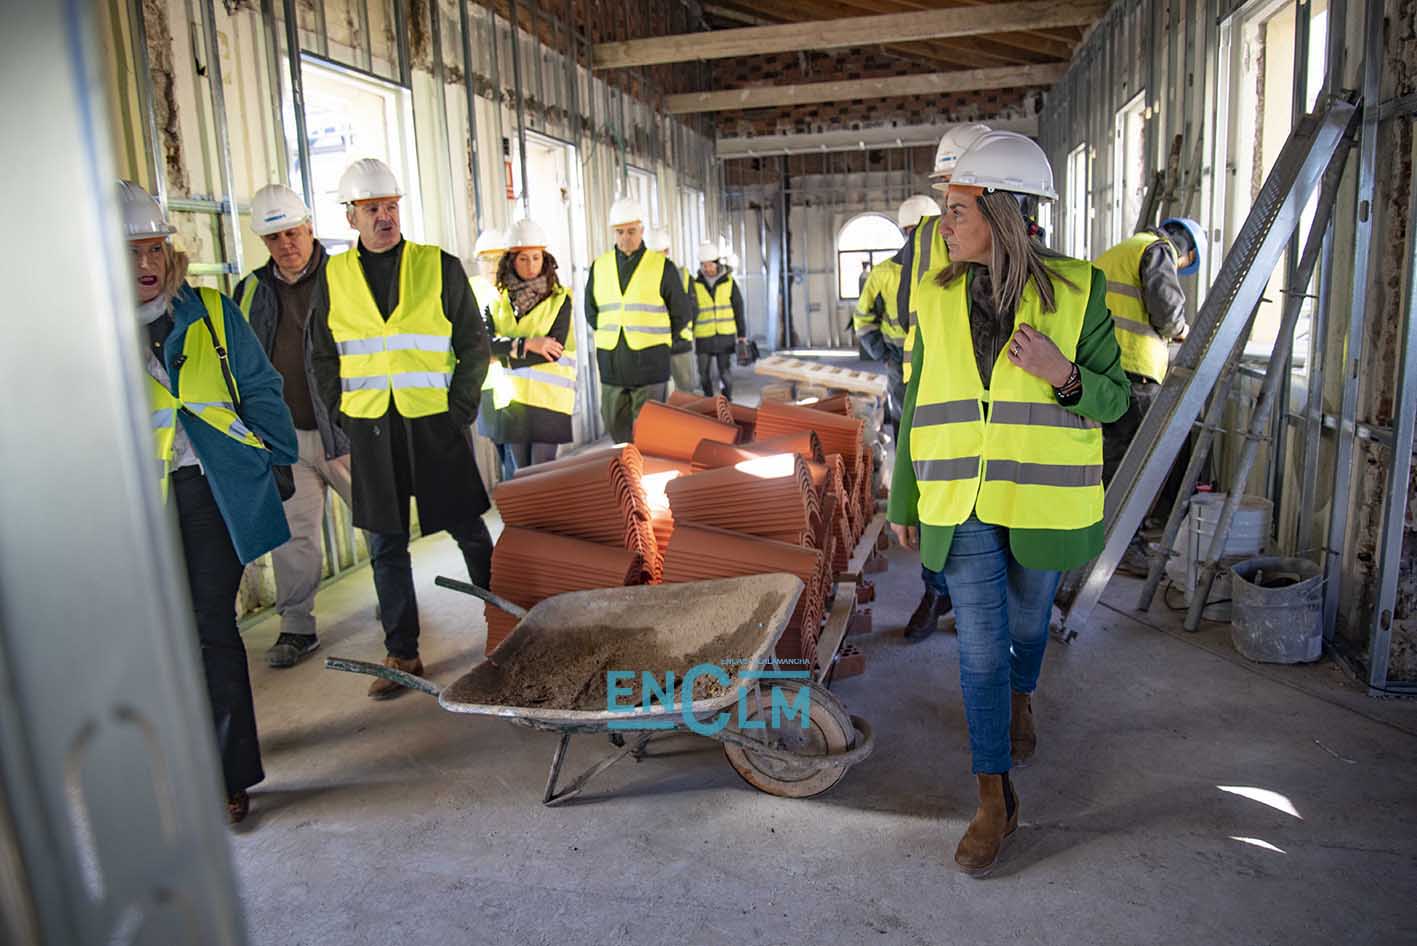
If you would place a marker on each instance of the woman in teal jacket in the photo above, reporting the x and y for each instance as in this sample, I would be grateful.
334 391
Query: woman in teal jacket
215 448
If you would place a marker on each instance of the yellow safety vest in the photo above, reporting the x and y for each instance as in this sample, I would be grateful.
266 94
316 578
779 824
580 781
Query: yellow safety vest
485 294
931 256
883 281
715 310
1033 463
687 278
552 385
410 354
1143 351
201 390
248 295
639 313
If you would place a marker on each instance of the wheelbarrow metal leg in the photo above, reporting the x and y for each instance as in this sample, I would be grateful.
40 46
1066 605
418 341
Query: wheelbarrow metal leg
574 789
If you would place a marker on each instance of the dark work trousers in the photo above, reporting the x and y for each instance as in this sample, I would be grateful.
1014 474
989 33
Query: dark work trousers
724 360
213 577
1117 436
393 568
895 398
527 454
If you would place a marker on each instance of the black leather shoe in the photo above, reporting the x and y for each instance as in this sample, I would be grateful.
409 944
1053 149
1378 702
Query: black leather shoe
926 618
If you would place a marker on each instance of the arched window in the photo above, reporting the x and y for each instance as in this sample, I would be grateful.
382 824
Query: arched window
863 242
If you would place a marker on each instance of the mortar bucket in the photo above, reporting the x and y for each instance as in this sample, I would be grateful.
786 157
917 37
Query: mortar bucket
1277 613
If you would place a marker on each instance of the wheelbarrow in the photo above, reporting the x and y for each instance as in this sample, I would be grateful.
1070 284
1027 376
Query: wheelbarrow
641 663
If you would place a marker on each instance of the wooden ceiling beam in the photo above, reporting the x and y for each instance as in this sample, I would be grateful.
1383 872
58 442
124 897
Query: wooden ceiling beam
937 83
849 31
1033 41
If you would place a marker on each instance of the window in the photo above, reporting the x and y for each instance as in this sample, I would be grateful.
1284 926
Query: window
347 117
1129 168
692 229
862 243
1076 244
644 187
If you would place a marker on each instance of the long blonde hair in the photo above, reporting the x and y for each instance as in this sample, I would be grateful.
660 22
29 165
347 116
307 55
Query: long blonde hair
176 270
1015 259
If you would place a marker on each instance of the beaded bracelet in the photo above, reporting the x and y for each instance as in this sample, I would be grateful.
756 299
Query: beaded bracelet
1070 387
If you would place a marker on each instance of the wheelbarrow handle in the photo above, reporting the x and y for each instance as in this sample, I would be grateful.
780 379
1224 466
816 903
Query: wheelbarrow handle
468 588
388 673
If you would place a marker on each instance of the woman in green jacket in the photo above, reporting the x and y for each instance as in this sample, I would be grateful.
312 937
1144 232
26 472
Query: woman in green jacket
998 476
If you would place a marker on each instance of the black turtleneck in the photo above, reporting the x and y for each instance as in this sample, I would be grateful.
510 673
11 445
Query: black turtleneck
382 272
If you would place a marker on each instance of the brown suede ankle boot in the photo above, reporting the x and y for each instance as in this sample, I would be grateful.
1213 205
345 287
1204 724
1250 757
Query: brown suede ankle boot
994 820
382 689
1023 739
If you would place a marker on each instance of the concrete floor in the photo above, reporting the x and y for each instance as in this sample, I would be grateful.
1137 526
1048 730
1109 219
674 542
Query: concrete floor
398 822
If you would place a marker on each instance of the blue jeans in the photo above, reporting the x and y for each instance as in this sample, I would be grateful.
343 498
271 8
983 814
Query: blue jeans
1001 619
935 581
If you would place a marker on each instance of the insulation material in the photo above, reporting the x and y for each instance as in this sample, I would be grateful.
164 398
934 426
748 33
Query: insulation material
673 433
599 499
529 566
771 497
700 553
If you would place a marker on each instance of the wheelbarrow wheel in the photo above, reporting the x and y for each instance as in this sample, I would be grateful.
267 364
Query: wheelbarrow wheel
828 732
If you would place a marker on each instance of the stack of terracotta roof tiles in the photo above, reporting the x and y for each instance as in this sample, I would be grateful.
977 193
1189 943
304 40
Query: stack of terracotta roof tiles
772 497
699 553
745 418
839 434
529 566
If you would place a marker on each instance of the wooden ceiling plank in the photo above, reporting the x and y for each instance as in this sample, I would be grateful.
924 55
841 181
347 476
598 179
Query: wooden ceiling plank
850 31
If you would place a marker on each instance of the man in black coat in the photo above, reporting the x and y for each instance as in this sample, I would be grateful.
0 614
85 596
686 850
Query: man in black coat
395 457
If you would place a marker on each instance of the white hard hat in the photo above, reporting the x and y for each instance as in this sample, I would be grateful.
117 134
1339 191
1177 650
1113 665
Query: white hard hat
366 179
709 252
731 260
143 218
657 239
914 208
276 207
1006 161
626 210
490 242
526 235
954 143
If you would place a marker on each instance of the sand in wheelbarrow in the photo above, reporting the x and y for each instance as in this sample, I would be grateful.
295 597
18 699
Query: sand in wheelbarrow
566 668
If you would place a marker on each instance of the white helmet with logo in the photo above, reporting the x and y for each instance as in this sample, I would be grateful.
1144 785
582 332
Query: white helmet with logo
526 235
366 179
490 242
276 207
624 211
914 208
143 218
954 143
1006 161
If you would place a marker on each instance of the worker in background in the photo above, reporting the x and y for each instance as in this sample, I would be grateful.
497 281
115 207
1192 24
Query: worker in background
877 319
400 353
681 351
998 479
277 299
218 425
923 256
490 246
636 304
718 320
1148 308
533 344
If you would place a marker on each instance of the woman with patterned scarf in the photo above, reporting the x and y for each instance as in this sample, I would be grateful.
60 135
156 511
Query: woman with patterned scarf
533 376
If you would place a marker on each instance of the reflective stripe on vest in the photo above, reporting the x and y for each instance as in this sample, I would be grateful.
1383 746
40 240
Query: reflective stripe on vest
639 313
408 357
201 390
715 316
1143 351
550 386
1026 462
883 281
